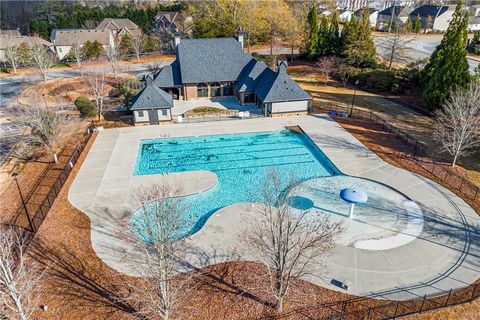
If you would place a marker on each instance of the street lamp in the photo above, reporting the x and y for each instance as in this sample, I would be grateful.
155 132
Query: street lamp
30 222
353 100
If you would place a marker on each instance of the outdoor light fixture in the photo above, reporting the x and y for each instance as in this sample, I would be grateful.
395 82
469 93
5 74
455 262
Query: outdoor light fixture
354 93
14 175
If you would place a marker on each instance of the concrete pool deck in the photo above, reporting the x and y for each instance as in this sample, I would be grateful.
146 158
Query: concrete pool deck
445 255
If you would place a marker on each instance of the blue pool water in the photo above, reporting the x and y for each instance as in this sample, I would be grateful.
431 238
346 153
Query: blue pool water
240 162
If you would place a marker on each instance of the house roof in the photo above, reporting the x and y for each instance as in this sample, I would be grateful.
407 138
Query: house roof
359 12
247 80
210 60
8 41
388 12
151 97
278 86
10 33
168 76
68 37
117 24
429 10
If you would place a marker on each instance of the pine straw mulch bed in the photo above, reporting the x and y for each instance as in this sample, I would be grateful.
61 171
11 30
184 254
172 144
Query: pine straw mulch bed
79 285
35 179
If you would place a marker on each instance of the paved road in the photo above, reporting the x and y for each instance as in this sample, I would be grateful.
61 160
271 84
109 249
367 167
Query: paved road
421 47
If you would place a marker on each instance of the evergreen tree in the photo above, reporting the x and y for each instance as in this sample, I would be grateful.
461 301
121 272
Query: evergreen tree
335 40
408 24
417 24
312 43
448 67
360 48
349 34
92 50
323 38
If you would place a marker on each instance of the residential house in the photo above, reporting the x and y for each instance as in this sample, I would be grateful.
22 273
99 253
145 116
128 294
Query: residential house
119 27
218 67
345 15
152 105
473 24
372 15
393 15
474 11
10 33
172 21
64 39
15 41
436 18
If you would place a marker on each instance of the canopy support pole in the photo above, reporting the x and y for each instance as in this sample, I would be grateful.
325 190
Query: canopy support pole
352 206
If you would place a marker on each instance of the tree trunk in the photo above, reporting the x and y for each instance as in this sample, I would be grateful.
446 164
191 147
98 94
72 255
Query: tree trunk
55 157
454 160
279 305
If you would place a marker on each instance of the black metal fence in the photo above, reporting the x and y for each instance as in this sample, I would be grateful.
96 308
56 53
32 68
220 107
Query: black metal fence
419 153
38 215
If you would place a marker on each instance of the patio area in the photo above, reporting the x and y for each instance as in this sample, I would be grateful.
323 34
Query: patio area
228 103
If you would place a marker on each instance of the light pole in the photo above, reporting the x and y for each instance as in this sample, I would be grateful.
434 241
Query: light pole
353 100
30 222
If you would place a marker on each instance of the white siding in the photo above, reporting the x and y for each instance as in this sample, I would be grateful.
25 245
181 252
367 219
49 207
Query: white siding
138 118
289 106
442 22
166 117
62 51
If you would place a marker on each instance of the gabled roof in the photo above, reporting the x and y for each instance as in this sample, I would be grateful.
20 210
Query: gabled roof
68 37
388 12
247 80
10 33
168 76
210 60
359 12
117 24
8 41
429 10
151 97
278 87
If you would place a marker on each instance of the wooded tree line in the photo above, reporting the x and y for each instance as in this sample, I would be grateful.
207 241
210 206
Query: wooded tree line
51 15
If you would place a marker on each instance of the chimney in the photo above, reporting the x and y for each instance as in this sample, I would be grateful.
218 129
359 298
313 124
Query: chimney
282 66
177 37
240 35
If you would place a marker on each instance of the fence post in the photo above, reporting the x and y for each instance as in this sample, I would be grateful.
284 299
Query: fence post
473 292
423 304
476 193
448 298
461 183
396 309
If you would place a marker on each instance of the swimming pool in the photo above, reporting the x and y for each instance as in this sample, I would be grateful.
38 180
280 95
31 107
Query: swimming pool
240 161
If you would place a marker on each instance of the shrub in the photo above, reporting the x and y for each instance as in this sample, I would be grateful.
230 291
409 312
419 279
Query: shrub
86 107
377 80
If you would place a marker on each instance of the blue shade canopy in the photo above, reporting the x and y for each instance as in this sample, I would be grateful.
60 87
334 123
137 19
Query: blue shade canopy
353 195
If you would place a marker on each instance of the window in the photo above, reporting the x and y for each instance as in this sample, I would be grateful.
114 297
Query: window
140 114
202 90
60 50
228 89
215 89
164 112
249 97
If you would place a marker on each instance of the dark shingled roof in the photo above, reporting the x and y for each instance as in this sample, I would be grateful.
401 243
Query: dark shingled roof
151 97
168 76
428 10
247 80
278 86
388 11
210 60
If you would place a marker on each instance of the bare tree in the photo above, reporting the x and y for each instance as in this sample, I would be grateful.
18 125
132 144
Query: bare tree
288 243
114 57
77 53
395 47
49 130
137 43
160 257
13 56
458 122
153 68
343 72
42 59
96 82
18 282
327 65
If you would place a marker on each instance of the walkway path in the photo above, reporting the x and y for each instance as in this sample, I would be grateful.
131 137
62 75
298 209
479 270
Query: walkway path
445 255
